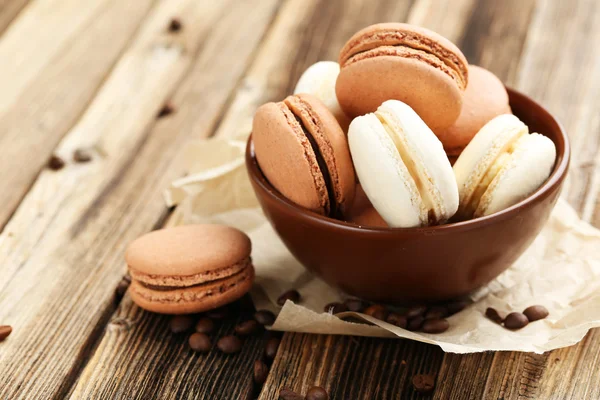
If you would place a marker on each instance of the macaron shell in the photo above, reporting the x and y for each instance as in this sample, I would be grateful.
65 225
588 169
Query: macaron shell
332 144
484 99
530 165
362 86
319 80
427 155
206 252
287 159
383 175
194 299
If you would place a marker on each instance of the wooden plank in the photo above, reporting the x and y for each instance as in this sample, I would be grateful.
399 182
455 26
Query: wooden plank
62 253
9 9
48 75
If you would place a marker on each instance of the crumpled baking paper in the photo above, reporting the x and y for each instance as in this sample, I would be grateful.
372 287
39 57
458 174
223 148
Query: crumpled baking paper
561 269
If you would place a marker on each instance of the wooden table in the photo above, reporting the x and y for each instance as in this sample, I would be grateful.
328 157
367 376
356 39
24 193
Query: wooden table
95 74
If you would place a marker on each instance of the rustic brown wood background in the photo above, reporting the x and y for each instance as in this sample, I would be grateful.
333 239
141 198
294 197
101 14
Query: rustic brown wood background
94 74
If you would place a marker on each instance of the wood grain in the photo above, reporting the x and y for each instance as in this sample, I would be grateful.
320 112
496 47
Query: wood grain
62 252
51 78
9 9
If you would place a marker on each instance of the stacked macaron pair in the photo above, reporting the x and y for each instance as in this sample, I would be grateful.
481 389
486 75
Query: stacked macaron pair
401 105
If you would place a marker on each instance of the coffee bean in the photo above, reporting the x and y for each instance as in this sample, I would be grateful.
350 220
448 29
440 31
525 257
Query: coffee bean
291 295
167 109
415 323
55 163
229 344
82 156
200 342
534 313
493 315
377 311
261 371
271 348
355 305
415 311
515 320
5 331
205 325
218 313
335 308
121 288
435 325
317 393
264 317
396 319
181 323
247 328
436 312
456 306
423 383
175 25
286 393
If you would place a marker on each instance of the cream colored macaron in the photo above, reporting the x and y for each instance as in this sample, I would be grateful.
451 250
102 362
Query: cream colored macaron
402 167
319 80
501 166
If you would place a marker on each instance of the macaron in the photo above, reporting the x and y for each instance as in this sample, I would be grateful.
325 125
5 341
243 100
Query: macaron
303 152
484 99
501 166
402 167
189 269
402 62
319 80
363 213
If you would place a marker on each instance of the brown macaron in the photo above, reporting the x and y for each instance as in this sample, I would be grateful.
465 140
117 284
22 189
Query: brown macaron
304 154
189 269
402 62
484 99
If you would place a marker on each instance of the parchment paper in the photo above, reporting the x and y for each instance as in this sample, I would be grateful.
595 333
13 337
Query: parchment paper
561 269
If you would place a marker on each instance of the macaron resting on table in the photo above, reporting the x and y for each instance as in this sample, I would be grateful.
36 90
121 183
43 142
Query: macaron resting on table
402 167
189 269
303 152
484 99
402 62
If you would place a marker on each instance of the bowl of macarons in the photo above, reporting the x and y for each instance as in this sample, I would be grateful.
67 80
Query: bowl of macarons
403 174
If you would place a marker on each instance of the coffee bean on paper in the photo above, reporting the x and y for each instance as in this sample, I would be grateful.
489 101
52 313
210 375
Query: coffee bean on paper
286 393
396 319
218 313
415 311
423 383
317 393
175 25
5 331
456 306
167 109
515 320
493 315
261 371
229 344
55 163
414 324
291 295
436 312
200 342
271 348
435 325
377 311
181 323
534 313
335 308
355 305
264 317
205 325
247 328
82 156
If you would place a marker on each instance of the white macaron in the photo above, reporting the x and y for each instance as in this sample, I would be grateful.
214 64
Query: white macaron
402 167
501 166
319 80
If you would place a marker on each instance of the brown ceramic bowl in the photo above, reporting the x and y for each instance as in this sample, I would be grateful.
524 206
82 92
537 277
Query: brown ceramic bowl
418 264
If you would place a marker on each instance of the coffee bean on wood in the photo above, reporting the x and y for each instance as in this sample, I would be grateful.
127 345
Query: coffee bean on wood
423 383
229 344
286 393
200 342
181 323
261 371
247 328
205 325
219 313
317 393
264 317
271 348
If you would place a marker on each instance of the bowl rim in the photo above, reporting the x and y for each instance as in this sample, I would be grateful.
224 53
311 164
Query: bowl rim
556 177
